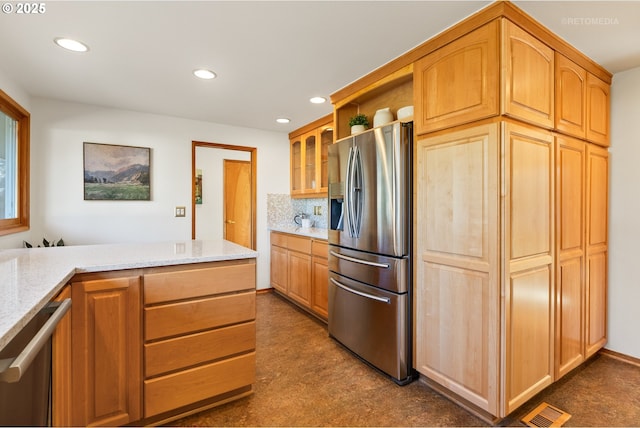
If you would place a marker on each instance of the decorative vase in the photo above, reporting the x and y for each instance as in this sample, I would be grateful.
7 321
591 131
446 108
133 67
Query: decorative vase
356 129
382 116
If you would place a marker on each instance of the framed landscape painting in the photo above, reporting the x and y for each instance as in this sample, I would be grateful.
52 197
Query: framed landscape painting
116 173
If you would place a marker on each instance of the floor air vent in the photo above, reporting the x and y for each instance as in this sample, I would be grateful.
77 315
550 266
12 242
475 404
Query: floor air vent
545 415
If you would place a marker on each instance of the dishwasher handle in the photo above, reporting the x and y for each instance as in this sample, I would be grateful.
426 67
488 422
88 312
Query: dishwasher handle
11 370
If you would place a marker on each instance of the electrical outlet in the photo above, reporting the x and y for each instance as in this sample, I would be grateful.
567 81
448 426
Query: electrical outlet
317 210
181 211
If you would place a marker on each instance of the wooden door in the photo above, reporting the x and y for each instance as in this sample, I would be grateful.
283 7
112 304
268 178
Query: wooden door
570 250
597 202
107 349
571 91
458 83
598 110
457 297
528 278
528 76
61 368
237 202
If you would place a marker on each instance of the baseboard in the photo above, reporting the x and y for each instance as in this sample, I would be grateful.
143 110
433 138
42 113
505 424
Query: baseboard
622 357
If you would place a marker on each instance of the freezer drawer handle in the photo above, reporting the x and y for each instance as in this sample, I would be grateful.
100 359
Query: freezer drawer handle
360 293
364 262
12 370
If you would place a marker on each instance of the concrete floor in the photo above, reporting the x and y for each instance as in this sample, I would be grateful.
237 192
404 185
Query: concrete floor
304 378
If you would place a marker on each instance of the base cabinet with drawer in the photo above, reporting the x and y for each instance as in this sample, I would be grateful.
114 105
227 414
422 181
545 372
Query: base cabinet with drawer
299 271
151 345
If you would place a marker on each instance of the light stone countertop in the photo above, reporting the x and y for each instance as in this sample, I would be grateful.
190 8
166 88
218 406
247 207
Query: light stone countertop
311 232
31 277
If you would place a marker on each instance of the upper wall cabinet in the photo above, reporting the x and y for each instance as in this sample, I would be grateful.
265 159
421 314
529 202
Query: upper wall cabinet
309 157
527 75
582 102
462 81
459 82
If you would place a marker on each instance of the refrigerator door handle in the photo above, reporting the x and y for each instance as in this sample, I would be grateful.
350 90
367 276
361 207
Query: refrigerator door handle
360 293
355 260
358 192
348 197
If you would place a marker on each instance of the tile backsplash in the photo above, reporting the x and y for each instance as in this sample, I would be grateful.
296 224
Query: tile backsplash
281 208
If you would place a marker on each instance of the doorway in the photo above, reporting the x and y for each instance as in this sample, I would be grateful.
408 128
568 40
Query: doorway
210 162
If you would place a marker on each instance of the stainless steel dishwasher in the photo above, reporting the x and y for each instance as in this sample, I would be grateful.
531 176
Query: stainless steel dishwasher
25 370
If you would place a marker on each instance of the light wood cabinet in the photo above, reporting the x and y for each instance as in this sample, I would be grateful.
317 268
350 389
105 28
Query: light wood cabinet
106 351
210 312
309 158
61 367
528 73
458 83
458 282
528 245
457 296
598 110
297 271
597 204
320 278
582 103
570 253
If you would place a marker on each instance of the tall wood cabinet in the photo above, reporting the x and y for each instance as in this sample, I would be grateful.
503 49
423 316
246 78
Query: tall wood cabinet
510 212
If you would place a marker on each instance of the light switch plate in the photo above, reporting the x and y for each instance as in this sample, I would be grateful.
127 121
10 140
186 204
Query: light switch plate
181 211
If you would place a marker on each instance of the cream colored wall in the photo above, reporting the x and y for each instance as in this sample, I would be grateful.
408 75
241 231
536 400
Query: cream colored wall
624 209
58 208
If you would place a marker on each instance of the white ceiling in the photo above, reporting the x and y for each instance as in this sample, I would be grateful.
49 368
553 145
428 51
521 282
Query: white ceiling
270 56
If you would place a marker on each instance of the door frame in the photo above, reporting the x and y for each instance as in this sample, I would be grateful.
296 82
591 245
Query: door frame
253 151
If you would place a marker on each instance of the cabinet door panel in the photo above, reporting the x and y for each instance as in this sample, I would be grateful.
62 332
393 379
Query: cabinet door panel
320 293
597 247
106 353
598 111
279 268
529 249
571 91
457 269
458 83
528 76
570 250
61 368
300 277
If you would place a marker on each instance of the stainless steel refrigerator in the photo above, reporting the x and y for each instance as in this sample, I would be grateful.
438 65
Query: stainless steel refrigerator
370 222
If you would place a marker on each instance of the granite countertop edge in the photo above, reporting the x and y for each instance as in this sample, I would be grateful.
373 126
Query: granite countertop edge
32 277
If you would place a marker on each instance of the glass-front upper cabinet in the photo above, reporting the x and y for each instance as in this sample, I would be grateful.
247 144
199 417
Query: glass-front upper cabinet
310 161
296 165
309 157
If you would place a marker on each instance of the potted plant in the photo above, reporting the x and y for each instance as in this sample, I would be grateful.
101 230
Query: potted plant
358 123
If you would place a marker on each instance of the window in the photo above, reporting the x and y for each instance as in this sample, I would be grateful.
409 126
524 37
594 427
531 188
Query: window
14 166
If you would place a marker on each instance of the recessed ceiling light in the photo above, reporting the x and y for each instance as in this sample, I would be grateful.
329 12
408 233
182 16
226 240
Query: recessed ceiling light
283 120
203 73
318 100
70 44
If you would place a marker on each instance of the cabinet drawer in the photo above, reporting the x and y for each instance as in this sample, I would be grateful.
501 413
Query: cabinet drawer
192 316
190 386
170 355
320 249
279 239
300 244
186 284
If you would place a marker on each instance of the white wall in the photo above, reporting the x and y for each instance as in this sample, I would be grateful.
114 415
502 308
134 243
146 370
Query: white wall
58 208
624 215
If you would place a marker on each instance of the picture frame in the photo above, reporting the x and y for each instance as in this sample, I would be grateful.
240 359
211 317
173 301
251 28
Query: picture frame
116 173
